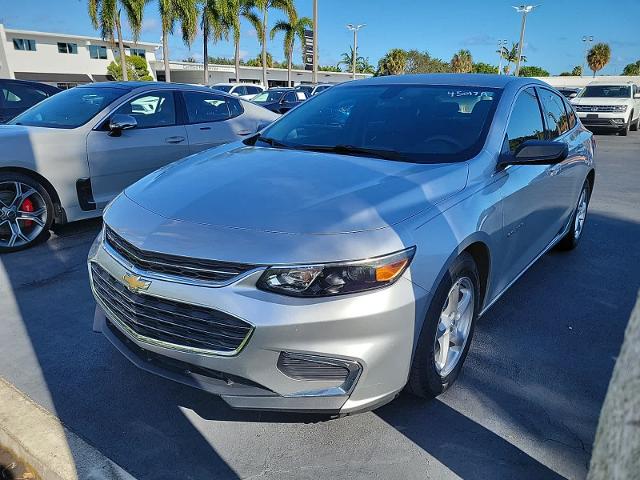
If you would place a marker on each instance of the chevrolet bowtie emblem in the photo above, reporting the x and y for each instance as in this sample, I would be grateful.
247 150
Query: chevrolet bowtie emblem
135 283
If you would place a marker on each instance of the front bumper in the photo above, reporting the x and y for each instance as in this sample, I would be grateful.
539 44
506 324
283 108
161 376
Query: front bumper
373 331
613 121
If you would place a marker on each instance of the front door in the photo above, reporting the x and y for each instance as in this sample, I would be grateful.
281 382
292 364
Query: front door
117 161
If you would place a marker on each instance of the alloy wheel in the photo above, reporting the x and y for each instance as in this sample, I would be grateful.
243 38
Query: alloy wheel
23 214
454 326
581 214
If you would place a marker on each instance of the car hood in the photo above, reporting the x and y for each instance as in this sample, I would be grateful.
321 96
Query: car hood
21 144
291 191
600 101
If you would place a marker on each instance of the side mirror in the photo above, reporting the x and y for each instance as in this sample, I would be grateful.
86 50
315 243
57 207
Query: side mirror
637 95
573 95
536 152
235 93
119 122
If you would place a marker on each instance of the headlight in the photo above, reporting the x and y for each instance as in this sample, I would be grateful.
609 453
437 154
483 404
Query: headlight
328 279
619 108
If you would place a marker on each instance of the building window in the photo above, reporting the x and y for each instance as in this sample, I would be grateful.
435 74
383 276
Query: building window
24 44
98 51
67 47
138 52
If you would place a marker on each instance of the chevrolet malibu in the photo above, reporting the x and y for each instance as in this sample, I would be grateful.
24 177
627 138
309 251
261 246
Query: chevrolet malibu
346 251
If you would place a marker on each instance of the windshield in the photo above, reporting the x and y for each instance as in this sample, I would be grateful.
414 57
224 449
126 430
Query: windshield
223 88
69 109
267 97
608 91
414 123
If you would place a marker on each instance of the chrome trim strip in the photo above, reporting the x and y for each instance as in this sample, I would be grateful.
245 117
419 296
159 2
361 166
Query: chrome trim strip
125 329
553 242
173 278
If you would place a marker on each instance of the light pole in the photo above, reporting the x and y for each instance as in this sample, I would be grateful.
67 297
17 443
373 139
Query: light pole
501 44
586 40
314 73
524 10
354 29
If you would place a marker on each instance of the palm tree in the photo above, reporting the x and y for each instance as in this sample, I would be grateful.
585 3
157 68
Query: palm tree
362 63
462 62
216 22
105 16
287 7
511 56
172 11
393 63
239 9
295 27
598 57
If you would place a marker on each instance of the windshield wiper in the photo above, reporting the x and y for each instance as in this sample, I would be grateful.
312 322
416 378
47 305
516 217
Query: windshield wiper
352 150
269 141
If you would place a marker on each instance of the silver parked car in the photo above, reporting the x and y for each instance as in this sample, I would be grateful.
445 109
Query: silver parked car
347 250
67 157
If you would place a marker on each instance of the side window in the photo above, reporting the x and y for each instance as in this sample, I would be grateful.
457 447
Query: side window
571 114
156 109
526 120
555 113
22 96
205 107
241 90
254 90
291 97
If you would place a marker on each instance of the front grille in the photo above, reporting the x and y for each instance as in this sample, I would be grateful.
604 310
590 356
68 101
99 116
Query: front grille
597 108
205 270
173 324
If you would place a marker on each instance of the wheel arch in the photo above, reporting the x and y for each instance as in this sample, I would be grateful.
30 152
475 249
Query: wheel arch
59 215
591 178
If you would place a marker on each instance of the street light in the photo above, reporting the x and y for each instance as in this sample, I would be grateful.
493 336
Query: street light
314 72
501 44
586 40
524 10
354 29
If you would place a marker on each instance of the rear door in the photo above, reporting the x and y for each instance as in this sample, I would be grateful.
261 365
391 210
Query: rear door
117 161
213 119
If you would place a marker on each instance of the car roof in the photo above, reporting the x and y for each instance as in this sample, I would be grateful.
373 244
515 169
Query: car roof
458 79
29 82
130 86
613 84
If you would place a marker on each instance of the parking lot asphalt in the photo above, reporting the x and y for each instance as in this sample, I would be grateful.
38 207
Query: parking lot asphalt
525 406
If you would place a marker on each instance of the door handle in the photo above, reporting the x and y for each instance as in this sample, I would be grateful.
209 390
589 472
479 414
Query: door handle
205 128
174 139
245 132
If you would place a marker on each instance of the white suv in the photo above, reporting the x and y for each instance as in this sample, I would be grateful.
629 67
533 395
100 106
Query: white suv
614 106
245 91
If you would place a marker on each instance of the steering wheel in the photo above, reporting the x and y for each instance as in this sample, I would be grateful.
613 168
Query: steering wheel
446 139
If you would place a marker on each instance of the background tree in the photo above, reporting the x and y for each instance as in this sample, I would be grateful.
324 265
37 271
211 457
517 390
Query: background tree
393 63
632 69
137 69
577 71
215 22
598 57
239 9
533 71
285 6
362 63
422 62
105 16
462 62
566 74
329 68
257 61
482 67
184 12
293 28
511 56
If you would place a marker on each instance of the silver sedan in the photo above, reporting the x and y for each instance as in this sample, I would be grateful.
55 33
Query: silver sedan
347 250
67 157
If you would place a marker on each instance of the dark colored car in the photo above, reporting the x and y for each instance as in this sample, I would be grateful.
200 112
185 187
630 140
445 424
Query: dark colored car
306 89
279 100
16 96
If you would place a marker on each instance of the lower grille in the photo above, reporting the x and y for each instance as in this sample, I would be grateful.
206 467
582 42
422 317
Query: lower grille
307 367
167 322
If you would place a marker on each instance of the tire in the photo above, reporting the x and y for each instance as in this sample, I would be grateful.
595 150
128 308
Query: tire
25 222
573 236
427 379
625 131
634 126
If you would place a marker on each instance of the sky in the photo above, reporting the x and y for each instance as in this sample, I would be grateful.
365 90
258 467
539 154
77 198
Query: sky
553 35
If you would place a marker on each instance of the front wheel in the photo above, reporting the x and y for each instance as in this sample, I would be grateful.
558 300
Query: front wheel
447 331
26 212
636 124
625 131
571 239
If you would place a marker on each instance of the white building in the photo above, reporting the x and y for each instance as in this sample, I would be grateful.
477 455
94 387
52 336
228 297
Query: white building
61 59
